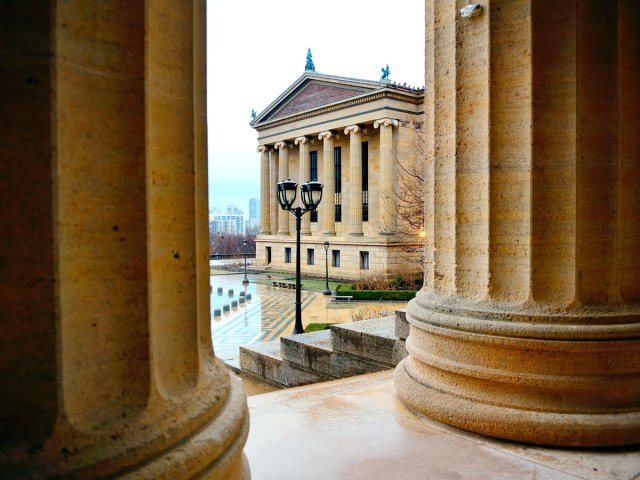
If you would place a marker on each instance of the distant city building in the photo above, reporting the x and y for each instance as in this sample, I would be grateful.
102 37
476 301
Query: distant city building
231 222
254 212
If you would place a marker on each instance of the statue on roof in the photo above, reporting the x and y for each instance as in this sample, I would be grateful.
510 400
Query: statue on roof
253 114
385 74
309 67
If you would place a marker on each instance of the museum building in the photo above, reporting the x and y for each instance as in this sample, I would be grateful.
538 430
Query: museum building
355 137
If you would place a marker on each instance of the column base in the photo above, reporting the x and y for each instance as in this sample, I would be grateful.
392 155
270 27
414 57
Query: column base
265 232
283 233
164 443
329 233
566 379
356 234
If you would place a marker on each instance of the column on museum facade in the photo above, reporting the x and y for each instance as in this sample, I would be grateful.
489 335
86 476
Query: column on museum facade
328 204
273 180
355 174
283 174
387 202
528 324
265 197
303 176
107 363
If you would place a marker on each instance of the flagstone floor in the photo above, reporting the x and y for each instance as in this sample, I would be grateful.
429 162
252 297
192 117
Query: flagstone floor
270 314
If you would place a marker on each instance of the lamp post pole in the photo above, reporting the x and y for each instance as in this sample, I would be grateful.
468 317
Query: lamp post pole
327 291
311 193
245 281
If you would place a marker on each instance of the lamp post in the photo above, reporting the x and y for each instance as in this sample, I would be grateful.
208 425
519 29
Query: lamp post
327 291
311 193
245 281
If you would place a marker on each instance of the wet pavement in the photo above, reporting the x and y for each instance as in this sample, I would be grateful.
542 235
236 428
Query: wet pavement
270 312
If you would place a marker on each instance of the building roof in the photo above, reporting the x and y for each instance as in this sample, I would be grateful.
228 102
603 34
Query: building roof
313 90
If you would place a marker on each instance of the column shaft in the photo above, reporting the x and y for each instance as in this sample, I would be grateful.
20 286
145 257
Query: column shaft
527 327
265 197
109 368
387 201
303 176
275 206
328 205
283 174
355 184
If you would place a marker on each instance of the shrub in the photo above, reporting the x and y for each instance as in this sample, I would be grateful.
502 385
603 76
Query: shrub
369 312
380 281
397 295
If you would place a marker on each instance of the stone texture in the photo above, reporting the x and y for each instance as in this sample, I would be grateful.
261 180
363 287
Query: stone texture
527 327
107 363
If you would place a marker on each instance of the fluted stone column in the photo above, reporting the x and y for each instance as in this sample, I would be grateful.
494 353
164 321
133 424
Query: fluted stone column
274 179
387 202
265 191
283 174
355 184
327 208
303 176
107 364
528 325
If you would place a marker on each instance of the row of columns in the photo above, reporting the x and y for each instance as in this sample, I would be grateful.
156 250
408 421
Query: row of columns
274 166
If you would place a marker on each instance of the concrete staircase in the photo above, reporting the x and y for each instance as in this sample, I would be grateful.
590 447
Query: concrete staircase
343 351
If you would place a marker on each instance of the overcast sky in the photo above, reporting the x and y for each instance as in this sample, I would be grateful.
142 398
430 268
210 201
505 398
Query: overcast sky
257 49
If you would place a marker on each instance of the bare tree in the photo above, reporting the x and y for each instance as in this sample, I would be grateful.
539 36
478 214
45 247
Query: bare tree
408 198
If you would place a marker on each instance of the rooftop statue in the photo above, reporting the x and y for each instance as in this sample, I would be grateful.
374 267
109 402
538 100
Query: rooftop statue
309 67
385 74
253 114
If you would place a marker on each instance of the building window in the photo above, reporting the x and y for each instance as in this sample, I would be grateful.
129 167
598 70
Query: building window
337 174
287 255
335 258
365 181
313 175
310 256
364 260
268 255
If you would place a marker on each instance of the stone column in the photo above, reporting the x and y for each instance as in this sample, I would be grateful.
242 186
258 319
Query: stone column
275 206
303 162
355 172
265 190
283 174
528 325
107 365
327 208
387 202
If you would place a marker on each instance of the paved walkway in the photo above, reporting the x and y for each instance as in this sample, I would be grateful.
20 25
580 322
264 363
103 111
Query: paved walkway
270 314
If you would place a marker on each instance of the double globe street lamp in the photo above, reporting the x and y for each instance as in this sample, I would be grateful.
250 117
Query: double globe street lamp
311 194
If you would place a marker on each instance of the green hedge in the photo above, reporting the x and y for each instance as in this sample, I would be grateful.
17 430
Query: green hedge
398 295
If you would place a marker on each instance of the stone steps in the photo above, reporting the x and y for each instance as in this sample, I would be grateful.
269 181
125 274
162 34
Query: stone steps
345 350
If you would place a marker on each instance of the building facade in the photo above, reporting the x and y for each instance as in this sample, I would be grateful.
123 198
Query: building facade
350 135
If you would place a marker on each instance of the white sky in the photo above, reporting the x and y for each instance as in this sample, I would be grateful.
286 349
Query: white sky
256 49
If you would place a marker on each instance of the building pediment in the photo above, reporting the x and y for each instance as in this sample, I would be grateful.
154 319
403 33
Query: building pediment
313 90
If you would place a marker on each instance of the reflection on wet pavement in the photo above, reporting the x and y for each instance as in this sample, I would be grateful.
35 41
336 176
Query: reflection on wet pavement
270 312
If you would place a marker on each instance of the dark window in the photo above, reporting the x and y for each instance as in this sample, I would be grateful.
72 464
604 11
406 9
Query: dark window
310 256
364 260
365 181
268 255
287 255
313 175
335 258
337 172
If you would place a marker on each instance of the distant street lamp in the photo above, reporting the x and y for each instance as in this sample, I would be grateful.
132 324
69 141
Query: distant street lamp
327 291
311 193
246 280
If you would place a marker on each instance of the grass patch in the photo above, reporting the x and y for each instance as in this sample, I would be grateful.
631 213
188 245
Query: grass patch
316 327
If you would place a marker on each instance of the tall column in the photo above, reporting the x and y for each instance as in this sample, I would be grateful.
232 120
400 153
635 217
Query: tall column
107 364
355 173
265 190
303 176
275 206
328 205
387 202
528 325
283 174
